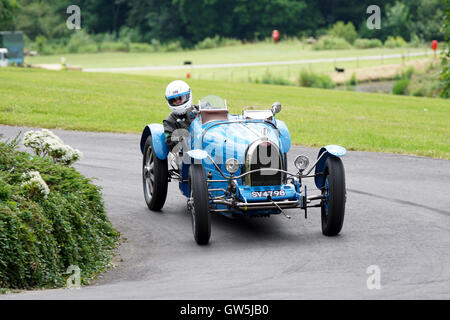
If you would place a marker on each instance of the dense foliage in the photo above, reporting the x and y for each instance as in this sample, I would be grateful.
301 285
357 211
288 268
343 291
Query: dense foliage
445 73
42 234
8 10
191 21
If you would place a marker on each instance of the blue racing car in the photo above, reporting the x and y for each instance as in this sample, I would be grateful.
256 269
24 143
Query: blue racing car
237 165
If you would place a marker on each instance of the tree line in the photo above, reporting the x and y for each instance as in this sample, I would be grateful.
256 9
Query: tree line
190 21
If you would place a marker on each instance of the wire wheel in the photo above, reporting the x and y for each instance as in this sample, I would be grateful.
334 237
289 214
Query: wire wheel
155 177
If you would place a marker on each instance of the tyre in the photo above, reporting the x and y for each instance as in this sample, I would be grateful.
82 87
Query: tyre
199 204
334 192
155 177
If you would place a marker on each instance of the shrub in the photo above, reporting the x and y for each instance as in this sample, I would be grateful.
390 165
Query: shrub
395 42
41 236
268 78
416 42
313 80
40 43
80 41
353 81
114 47
216 42
104 37
331 43
209 43
229 42
368 43
141 47
419 92
409 73
171 47
401 87
344 31
35 185
5 190
127 34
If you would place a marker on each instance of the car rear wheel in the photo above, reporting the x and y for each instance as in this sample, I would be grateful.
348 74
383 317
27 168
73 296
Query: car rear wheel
199 204
155 177
334 193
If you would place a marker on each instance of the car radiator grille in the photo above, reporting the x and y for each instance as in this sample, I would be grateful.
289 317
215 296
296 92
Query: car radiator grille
263 154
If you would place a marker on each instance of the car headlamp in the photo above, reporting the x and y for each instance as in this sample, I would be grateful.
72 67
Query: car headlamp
301 162
232 165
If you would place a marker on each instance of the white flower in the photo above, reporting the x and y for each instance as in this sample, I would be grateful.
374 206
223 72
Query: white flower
34 182
46 143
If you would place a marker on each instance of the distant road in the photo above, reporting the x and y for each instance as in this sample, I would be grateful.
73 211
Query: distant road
256 64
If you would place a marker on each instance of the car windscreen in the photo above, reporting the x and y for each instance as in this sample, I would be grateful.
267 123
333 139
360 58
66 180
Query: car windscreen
212 102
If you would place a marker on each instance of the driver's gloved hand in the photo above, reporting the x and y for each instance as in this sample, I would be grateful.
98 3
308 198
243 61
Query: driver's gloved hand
192 113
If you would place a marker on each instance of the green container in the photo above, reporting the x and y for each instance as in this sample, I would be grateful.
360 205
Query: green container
13 41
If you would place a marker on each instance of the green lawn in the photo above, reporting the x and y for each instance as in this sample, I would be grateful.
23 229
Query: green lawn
126 103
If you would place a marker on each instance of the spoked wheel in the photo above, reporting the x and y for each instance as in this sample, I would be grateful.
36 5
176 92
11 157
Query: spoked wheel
155 177
199 204
334 192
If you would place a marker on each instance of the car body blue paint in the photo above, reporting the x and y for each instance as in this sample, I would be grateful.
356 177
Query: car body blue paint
331 151
156 131
284 135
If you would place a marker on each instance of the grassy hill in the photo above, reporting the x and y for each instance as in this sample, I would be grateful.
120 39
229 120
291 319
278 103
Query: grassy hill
126 103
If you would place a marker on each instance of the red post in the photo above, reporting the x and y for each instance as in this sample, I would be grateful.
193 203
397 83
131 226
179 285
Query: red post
434 46
276 36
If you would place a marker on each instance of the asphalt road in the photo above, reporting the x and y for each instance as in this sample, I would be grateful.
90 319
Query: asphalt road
397 218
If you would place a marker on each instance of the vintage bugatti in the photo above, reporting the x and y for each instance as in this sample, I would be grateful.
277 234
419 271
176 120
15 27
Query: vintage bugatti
237 165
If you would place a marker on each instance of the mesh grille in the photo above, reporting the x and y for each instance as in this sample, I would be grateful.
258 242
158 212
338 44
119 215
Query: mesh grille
265 155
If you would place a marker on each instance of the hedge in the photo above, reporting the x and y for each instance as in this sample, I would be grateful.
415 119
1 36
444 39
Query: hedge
40 237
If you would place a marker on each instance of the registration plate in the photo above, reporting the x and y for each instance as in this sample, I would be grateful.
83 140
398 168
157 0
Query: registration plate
265 194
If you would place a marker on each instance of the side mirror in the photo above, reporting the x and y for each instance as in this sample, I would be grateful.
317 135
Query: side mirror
276 108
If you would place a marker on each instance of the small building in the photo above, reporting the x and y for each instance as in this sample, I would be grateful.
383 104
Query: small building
13 41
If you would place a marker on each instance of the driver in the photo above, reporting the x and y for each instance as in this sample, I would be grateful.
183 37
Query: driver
176 125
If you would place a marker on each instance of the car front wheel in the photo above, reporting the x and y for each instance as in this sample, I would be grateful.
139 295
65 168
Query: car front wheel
199 204
155 177
334 197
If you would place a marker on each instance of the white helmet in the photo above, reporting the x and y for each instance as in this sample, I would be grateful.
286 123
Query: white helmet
179 96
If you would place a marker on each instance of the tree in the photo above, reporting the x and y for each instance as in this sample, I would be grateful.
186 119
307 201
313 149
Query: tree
156 19
344 31
353 11
254 19
445 74
398 22
103 16
8 11
427 19
41 18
